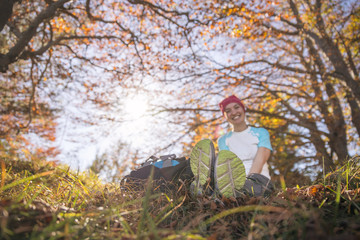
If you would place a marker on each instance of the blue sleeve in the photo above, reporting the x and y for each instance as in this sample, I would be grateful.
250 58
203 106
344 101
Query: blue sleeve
222 142
264 138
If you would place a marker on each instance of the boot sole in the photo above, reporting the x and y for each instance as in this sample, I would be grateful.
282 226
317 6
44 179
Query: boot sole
230 173
202 158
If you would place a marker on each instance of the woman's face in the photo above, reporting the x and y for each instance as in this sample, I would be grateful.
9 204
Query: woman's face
234 114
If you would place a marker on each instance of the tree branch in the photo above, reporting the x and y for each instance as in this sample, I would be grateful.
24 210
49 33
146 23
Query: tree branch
26 36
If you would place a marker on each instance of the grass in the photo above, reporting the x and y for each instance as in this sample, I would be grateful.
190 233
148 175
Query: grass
44 201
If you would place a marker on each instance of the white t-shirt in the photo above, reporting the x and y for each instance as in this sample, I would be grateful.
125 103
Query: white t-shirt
245 145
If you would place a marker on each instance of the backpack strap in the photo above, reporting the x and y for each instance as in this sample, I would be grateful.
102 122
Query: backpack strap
150 160
168 157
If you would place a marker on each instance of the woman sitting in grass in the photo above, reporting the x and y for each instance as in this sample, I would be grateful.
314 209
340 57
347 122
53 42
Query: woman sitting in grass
241 165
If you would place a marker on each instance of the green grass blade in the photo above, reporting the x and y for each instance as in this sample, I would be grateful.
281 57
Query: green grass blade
247 208
33 177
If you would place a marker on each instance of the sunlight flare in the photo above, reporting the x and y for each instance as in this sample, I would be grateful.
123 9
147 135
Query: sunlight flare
136 107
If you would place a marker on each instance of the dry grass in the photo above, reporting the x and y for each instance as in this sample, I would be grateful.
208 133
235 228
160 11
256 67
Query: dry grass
52 202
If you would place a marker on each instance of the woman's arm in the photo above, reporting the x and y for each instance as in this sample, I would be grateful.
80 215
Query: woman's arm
261 157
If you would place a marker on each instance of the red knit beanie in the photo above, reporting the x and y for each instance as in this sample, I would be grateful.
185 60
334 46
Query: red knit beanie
231 99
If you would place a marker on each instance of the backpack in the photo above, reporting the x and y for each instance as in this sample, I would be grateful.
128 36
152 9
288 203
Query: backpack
166 172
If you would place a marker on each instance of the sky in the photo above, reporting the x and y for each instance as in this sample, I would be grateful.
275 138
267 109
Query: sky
134 124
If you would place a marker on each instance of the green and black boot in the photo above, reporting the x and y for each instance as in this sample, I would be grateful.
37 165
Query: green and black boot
202 163
229 173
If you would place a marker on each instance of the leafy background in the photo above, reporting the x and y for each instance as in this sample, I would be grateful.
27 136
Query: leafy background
71 68
70 71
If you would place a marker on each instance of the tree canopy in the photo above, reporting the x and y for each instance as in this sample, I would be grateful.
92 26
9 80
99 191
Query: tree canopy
294 63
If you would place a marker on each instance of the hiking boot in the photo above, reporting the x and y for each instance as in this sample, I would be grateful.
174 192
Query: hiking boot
229 173
202 162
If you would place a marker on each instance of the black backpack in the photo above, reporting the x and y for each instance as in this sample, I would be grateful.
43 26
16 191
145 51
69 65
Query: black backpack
166 172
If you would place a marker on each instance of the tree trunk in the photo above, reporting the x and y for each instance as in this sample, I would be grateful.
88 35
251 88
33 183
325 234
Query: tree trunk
355 111
321 153
334 120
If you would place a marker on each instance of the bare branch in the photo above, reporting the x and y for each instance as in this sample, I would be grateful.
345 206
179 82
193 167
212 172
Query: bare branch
26 36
